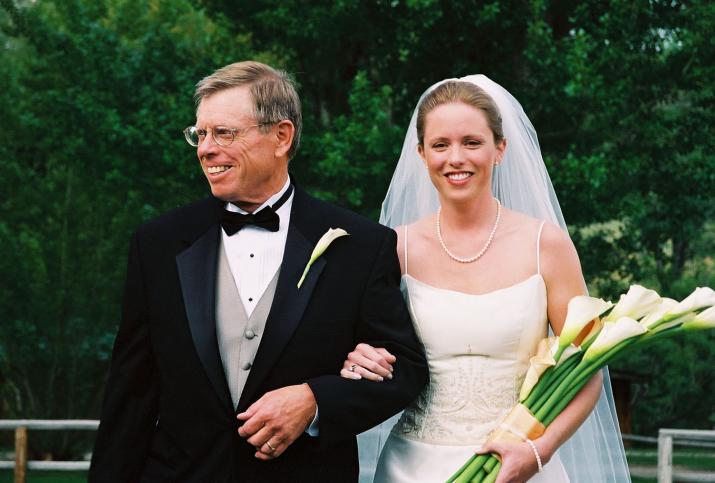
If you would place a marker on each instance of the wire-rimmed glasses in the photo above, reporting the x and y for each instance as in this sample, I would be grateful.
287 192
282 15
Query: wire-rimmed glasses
223 136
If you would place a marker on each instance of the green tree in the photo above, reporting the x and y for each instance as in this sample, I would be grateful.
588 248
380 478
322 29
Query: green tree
96 97
633 160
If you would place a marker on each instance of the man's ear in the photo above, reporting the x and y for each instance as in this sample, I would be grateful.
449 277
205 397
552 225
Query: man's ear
284 132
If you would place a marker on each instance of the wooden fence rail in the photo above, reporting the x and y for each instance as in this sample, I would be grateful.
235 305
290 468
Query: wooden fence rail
666 437
21 426
694 437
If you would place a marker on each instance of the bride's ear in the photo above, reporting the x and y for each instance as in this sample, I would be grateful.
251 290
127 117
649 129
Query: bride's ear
501 149
421 152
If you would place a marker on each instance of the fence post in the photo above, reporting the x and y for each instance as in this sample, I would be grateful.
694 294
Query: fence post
665 457
20 454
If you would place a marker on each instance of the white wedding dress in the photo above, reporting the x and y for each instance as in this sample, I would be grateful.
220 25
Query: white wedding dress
478 349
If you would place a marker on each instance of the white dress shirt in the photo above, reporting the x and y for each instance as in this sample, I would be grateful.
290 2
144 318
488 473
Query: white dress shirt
255 254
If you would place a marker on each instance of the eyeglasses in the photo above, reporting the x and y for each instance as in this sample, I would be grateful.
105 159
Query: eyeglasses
223 136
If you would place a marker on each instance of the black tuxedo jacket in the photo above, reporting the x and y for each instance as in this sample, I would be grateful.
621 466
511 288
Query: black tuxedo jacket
167 414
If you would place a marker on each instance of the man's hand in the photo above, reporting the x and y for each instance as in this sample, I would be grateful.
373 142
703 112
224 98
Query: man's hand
272 423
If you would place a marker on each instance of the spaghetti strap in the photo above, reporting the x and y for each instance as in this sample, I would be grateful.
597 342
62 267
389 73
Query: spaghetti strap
405 250
538 245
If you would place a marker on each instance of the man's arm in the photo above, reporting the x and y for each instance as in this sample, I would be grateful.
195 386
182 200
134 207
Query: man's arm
129 413
348 407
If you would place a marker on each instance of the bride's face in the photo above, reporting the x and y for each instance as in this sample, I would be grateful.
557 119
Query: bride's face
459 151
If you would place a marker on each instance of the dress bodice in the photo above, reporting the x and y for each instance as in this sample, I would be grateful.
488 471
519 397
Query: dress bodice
478 348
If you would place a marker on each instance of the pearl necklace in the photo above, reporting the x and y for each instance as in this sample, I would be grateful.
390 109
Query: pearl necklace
484 248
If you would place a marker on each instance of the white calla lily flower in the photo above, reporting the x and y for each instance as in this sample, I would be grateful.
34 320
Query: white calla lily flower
612 334
568 352
704 320
328 237
636 303
581 311
674 322
593 333
651 320
700 298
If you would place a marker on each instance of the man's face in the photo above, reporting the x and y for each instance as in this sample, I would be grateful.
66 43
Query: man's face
250 169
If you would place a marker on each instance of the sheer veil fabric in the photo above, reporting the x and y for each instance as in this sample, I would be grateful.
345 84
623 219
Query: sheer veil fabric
595 452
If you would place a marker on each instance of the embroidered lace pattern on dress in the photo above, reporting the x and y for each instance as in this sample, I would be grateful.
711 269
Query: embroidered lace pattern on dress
462 405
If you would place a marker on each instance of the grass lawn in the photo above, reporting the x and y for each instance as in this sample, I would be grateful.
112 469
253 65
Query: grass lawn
693 458
6 476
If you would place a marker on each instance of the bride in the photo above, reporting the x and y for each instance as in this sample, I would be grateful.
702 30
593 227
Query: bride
488 269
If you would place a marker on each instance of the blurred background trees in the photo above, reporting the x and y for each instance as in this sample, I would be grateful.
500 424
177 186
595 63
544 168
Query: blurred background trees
95 93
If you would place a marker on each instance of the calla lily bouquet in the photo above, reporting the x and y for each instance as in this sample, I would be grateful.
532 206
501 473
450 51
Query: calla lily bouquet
561 368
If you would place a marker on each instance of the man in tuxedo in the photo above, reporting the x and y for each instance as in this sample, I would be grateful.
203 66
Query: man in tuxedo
224 368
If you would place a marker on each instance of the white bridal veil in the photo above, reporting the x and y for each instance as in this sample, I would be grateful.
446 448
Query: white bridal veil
594 454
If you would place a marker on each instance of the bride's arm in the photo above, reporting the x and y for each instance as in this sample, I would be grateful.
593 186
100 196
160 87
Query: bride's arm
561 270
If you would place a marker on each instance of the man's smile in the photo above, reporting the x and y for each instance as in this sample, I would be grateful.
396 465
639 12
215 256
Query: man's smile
217 169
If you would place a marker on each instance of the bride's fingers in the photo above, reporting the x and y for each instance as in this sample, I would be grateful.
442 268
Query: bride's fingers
491 447
359 372
372 363
375 355
348 374
386 354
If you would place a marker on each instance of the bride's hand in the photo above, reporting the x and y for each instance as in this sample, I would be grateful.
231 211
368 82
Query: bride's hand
368 362
518 461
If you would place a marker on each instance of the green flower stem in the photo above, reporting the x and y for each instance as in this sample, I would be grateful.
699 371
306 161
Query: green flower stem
578 372
583 376
542 390
559 392
462 469
544 382
540 387
575 389
491 463
479 477
492 476
469 473
594 366
469 470
305 272
558 354
653 336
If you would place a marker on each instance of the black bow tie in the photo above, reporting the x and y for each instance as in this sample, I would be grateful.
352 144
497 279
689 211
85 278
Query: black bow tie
266 218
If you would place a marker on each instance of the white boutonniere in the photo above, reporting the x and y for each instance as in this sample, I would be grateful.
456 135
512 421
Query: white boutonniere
320 247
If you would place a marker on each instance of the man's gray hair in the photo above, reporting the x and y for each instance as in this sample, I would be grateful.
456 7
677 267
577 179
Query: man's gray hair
272 90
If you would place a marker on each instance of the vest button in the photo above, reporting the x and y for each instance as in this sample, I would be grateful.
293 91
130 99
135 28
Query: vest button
246 366
249 334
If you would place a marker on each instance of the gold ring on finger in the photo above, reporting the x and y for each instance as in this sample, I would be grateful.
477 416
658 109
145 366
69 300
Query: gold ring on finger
268 443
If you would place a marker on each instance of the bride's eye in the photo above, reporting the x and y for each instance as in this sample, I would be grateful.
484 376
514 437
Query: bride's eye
439 145
472 143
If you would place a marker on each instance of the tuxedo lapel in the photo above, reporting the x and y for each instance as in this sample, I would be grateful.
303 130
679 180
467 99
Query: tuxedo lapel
197 273
290 301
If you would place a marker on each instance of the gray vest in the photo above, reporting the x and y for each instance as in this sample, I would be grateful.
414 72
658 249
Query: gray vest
238 335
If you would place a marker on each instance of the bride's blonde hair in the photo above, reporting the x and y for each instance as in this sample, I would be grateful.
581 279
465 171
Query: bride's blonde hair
466 93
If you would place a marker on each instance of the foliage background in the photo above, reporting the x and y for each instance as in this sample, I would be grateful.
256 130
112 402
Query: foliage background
94 95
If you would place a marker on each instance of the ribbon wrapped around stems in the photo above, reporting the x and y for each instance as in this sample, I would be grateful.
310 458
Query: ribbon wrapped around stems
518 426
